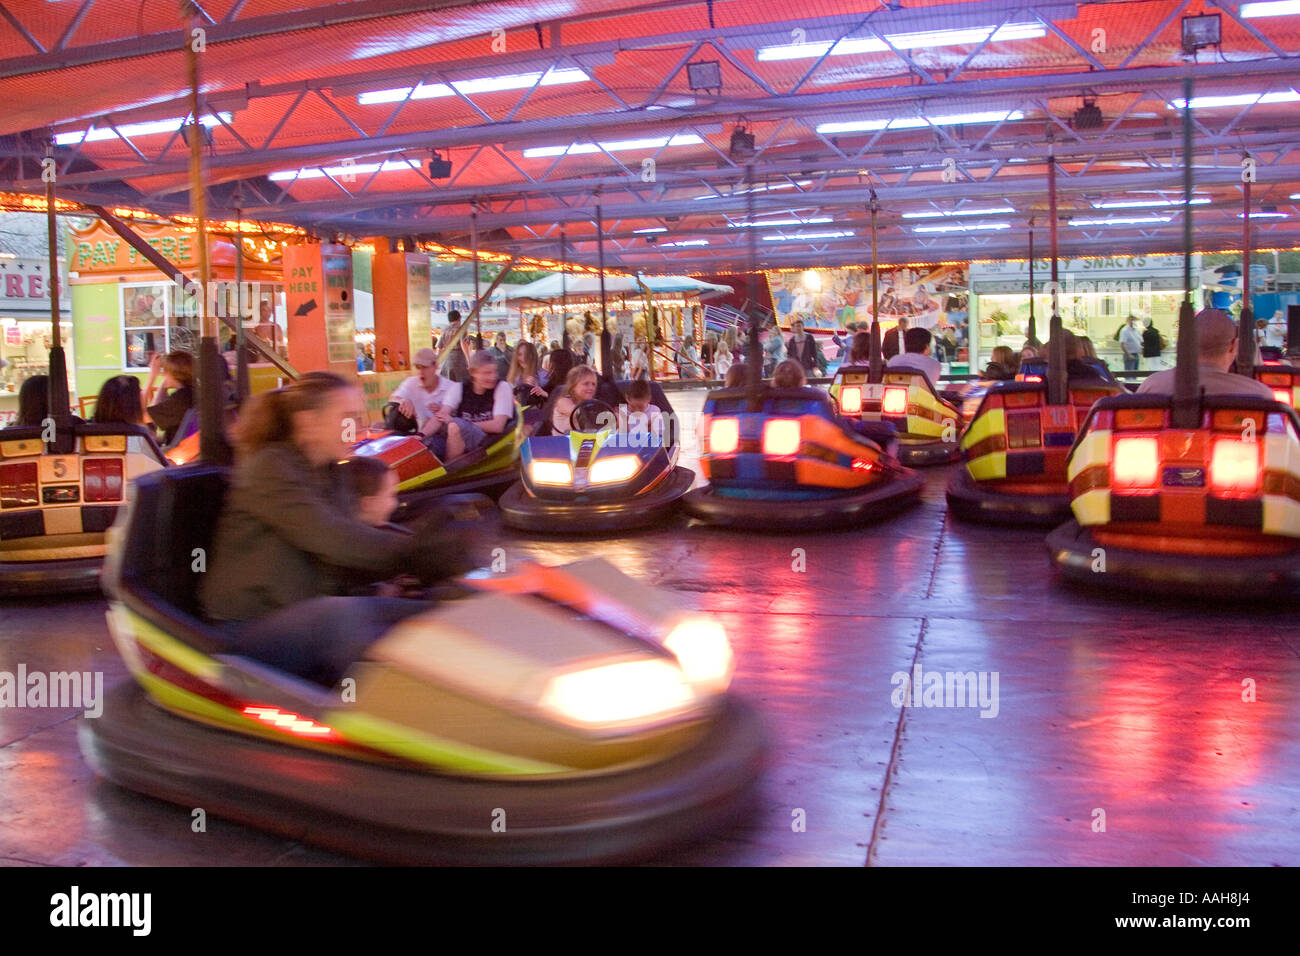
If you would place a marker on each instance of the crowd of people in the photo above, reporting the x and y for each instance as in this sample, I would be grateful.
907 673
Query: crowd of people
707 359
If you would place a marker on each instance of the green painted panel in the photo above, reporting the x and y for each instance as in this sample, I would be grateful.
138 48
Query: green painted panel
96 334
361 271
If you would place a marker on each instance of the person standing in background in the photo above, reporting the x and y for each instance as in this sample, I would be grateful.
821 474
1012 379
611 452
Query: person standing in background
892 342
721 361
501 351
1153 343
1130 343
266 329
640 359
688 359
618 357
708 355
773 350
455 364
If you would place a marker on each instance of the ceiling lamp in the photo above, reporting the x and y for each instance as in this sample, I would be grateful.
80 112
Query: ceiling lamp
703 75
439 166
1204 30
742 144
1088 116
486 84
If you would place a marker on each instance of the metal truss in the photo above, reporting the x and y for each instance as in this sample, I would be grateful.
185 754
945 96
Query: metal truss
819 176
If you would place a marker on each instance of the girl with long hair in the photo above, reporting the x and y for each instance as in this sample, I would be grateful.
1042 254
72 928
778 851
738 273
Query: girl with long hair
579 387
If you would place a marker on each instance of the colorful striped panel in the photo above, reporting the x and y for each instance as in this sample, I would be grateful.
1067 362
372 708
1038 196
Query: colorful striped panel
926 415
827 457
1184 497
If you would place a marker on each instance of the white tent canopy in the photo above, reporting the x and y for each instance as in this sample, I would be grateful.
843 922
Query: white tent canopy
586 285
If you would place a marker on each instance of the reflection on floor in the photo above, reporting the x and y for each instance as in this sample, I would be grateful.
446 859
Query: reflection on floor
1107 710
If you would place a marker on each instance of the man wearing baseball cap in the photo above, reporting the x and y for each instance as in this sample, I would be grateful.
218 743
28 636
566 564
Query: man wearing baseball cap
426 397
1216 335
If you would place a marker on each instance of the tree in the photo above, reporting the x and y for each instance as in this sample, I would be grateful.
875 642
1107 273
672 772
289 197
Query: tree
1286 261
487 271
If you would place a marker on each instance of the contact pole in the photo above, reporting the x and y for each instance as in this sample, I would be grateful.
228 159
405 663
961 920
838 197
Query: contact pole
875 358
1187 386
213 447
241 359
1057 373
56 330
58 408
473 226
1246 351
600 259
564 291
1033 330
754 373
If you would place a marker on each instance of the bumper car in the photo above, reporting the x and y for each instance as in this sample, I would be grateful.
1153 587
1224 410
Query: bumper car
55 508
1283 379
969 395
1016 449
783 460
926 423
423 476
1207 511
599 477
557 715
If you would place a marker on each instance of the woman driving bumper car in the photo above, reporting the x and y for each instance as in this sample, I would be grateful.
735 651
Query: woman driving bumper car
286 515
587 706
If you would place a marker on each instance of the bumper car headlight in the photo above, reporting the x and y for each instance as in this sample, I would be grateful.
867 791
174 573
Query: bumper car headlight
614 694
704 653
551 473
605 471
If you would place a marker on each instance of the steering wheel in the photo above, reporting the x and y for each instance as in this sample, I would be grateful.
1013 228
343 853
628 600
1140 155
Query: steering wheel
592 416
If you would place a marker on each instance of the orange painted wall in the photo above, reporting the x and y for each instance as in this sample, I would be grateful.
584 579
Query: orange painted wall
318 293
400 281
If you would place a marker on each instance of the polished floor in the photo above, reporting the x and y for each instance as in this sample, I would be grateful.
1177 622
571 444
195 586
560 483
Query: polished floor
1124 731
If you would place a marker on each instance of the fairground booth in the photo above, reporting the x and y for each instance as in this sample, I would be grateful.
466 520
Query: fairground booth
25 326
124 310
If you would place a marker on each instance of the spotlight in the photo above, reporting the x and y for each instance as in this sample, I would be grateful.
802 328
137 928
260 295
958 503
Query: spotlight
1200 31
205 132
1088 116
704 75
742 143
439 167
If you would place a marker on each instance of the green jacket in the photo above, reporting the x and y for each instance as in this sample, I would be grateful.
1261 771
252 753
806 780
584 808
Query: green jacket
284 524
